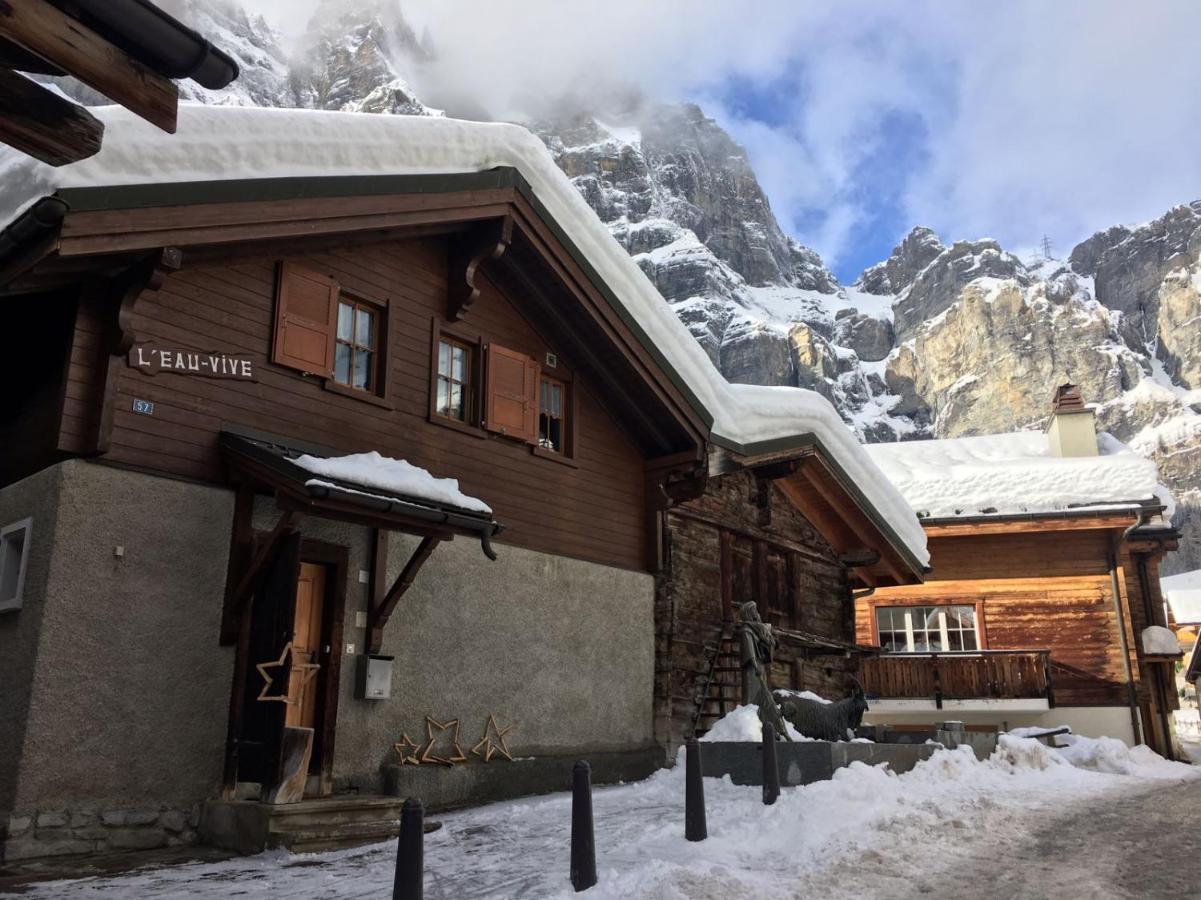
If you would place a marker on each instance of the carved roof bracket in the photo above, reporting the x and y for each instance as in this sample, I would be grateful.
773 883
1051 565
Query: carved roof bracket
467 254
146 275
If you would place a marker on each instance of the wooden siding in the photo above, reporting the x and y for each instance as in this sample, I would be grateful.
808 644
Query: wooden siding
593 511
1035 591
691 602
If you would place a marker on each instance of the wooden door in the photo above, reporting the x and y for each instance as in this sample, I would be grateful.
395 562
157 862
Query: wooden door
308 619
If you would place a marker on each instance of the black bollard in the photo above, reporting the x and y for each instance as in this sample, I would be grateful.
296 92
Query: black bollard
695 828
771 772
410 854
583 846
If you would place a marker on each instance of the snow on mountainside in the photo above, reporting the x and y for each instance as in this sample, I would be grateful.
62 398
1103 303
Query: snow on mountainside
936 341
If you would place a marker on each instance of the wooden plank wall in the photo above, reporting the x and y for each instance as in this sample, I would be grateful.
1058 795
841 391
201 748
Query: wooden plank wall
1038 591
593 512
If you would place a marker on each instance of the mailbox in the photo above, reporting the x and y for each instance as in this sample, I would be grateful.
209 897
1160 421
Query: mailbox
375 677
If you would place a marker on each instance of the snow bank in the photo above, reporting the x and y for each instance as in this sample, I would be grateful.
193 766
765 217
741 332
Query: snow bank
224 143
396 476
1112 756
1183 594
1012 473
742 724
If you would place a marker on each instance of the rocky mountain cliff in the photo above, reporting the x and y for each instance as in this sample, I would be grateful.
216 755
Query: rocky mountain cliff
935 341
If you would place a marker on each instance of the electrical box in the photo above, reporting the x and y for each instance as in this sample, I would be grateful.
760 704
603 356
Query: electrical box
375 677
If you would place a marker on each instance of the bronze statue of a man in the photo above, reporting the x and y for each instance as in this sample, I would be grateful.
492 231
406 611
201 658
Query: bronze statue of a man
757 644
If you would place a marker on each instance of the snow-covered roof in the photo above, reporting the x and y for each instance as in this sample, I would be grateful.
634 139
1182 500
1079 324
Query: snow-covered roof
397 476
215 143
1011 474
1183 595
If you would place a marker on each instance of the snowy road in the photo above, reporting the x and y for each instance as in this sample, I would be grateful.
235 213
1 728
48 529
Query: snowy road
1026 823
1138 844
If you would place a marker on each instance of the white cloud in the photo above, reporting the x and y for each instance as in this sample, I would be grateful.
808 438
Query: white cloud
1035 117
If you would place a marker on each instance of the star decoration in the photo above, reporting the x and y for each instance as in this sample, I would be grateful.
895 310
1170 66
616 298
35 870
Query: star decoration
427 754
286 656
406 748
488 746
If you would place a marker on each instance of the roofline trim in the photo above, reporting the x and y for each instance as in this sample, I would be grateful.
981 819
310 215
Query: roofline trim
808 441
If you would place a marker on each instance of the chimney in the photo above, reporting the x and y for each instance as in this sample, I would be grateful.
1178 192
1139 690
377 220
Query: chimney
1072 430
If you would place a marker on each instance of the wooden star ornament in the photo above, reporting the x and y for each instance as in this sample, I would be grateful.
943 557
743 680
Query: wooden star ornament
286 656
408 750
493 741
428 755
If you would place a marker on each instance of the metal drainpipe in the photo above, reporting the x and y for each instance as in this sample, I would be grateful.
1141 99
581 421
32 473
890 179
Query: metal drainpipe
1117 609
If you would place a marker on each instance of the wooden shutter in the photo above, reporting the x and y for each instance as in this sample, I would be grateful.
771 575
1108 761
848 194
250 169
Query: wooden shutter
306 314
511 394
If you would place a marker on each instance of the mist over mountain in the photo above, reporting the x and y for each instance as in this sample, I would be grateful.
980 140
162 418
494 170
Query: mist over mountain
941 339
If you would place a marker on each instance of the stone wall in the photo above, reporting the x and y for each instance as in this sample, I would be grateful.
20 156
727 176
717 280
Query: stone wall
690 607
125 718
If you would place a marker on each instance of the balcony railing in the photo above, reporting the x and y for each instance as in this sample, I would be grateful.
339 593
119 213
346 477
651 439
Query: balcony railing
983 675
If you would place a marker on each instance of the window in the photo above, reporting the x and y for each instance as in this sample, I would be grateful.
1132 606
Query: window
552 415
14 554
927 629
321 331
454 381
355 347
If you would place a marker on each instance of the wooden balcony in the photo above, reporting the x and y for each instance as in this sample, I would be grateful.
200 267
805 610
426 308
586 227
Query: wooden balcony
961 678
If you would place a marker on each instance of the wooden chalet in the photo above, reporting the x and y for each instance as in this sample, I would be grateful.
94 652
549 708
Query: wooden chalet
243 599
1041 594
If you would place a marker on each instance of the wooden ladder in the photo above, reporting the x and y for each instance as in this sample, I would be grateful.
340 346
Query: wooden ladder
721 688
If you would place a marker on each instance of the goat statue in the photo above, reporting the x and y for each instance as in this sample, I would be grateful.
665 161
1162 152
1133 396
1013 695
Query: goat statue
835 721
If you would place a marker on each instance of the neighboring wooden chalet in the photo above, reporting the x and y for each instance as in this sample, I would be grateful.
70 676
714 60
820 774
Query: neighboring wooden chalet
782 525
227 581
1043 606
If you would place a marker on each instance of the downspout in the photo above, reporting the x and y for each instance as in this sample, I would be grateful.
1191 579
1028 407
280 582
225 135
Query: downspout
1132 696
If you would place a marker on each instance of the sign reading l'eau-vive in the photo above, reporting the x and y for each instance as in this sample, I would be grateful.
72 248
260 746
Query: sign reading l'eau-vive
152 360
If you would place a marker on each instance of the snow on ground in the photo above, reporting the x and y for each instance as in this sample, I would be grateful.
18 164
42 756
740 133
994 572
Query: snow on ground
1012 473
387 474
866 832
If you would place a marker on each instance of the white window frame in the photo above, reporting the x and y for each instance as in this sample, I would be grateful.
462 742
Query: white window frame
17 599
943 631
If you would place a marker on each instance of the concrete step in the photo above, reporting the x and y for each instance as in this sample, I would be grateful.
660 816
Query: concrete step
316 840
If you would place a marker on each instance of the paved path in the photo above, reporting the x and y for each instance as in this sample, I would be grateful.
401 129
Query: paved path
1143 843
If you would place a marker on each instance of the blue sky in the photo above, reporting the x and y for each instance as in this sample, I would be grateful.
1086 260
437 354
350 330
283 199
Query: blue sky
864 118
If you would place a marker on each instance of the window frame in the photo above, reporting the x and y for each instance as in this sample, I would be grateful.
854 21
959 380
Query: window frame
383 342
571 418
943 631
17 600
475 346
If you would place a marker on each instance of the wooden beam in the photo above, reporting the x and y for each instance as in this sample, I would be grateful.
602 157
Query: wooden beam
49 33
378 615
43 125
245 586
856 521
1033 526
241 548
